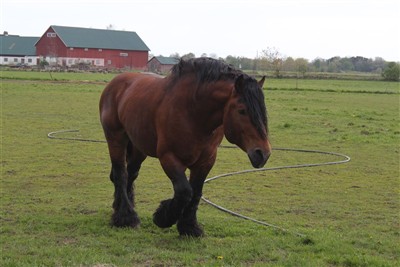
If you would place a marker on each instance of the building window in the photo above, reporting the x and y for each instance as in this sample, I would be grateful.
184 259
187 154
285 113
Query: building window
71 48
70 61
29 60
5 59
15 59
97 62
100 49
123 54
86 49
109 62
51 34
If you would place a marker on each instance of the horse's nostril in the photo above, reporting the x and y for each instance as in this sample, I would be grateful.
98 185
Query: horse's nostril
263 155
258 157
259 153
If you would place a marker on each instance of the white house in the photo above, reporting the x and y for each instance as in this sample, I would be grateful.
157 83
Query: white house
18 50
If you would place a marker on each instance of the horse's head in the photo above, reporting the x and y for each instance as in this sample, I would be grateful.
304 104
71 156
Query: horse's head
245 120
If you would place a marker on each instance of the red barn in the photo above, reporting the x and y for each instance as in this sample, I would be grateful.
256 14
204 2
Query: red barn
68 46
161 64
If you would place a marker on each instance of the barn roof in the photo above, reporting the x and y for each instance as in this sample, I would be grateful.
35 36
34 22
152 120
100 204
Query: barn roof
14 45
167 60
96 38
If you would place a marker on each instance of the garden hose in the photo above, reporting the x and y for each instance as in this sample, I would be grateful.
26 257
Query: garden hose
345 159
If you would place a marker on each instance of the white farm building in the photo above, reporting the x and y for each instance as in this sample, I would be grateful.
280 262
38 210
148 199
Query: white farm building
16 50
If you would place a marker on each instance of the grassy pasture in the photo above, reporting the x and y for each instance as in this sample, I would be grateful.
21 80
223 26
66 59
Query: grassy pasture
56 196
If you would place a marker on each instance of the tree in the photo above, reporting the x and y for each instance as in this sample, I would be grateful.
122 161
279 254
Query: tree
231 60
275 59
246 63
333 64
175 55
289 64
379 64
188 56
391 72
319 65
346 64
301 65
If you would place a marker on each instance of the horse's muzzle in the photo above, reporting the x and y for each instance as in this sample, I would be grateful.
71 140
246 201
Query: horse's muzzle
258 157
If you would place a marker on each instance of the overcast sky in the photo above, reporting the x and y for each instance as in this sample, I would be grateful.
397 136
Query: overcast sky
302 28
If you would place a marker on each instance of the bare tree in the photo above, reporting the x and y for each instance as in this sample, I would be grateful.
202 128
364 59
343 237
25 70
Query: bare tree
274 59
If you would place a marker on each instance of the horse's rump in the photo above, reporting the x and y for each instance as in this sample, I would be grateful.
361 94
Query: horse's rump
128 104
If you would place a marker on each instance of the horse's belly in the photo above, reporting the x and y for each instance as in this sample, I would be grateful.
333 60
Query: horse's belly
145 144
143 136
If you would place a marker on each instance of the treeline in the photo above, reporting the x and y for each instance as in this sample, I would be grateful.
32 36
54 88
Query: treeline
272 61
334 65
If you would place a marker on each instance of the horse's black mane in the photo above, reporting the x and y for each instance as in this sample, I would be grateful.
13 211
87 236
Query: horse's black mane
210 70
206 69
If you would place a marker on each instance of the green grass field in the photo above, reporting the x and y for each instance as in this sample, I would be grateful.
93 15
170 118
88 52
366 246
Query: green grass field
56 196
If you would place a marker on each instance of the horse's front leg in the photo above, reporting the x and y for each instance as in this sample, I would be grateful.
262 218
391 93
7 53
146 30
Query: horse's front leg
170 210
187 224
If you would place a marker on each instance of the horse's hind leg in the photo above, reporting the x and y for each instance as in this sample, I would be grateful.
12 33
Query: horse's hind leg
124 214
134 159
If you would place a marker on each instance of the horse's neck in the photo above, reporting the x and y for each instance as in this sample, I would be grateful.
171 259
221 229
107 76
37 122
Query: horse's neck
210 103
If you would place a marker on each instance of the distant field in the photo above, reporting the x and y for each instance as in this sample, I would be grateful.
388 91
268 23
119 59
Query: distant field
272 84
56 196
56 76
334 85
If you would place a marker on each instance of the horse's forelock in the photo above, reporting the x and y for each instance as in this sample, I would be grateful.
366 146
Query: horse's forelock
253 97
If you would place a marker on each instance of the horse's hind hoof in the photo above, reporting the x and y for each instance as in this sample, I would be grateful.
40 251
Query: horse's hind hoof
126 220
163 217
191 230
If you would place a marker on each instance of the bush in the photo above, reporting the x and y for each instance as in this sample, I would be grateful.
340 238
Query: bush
43 63
391 72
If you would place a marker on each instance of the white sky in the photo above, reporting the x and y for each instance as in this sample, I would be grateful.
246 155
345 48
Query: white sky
302 28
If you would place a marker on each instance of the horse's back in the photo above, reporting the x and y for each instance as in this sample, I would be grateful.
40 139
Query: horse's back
124 88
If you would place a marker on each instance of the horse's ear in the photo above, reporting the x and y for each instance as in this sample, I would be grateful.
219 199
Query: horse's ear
239 83
261 82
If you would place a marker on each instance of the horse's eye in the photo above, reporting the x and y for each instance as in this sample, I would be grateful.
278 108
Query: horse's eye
242 112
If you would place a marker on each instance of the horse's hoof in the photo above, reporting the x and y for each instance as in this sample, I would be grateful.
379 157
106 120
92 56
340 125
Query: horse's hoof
125 220
162 217
192 230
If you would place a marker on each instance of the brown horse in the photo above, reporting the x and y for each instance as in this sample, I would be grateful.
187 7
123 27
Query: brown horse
180 119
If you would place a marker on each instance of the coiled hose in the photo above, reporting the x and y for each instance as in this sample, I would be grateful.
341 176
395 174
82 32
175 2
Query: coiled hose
344 157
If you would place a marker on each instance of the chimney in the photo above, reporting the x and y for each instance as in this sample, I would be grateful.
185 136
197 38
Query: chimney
5 33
